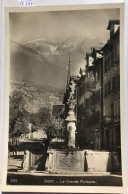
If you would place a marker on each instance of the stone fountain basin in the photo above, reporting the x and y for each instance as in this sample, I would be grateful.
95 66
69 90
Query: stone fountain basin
73 161
65 160
79 161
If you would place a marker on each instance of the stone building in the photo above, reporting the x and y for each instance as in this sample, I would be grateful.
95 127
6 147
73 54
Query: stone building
98 96
111 85
89 97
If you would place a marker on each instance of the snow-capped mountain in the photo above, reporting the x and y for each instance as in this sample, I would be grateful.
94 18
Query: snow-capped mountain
42 46
45 61
29 64
71 44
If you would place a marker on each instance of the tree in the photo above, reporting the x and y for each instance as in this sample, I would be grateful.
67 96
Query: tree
18 116
19 119
40 118
55 128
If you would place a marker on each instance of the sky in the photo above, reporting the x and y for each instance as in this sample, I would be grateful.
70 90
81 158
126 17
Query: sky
61 24
58 26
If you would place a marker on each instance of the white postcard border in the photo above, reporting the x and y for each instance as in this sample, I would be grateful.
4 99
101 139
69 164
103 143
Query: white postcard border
72 189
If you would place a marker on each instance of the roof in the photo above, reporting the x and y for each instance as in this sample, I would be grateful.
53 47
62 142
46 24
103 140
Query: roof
97 48
116 34
57 108
112 22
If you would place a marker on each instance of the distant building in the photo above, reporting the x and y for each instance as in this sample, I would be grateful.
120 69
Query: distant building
14 141
58 111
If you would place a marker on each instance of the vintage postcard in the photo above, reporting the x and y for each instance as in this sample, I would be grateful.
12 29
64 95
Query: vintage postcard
64 99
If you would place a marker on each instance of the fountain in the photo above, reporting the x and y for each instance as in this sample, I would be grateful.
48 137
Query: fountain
71 159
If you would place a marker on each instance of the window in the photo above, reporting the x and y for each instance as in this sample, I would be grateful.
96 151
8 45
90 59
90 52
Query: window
115 108
118 82
112 60
87 103
96 76
92 99
112 110
115 54
105 66
80 90
97 96
105 90
118 107
113 84
118 51
108 63
109 87
92 82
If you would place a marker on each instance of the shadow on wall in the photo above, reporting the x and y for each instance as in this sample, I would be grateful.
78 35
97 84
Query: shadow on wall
38 161
41 163
85 164
116 162
109 163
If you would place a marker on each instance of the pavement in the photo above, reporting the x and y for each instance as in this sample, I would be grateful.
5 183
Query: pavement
16 176
15 161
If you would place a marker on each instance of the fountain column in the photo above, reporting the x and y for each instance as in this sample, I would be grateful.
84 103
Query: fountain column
70 119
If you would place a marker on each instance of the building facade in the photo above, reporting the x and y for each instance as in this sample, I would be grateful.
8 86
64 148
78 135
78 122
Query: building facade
98 96
89 96
111 85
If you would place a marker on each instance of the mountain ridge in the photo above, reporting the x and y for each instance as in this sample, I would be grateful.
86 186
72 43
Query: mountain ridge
45 61
35 96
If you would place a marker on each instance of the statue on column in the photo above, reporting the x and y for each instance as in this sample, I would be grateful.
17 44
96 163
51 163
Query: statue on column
71 126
